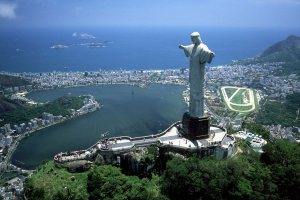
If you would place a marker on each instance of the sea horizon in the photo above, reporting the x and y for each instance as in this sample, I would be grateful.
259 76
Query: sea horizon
128 48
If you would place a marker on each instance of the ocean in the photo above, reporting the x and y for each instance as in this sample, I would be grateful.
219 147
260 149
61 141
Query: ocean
129 48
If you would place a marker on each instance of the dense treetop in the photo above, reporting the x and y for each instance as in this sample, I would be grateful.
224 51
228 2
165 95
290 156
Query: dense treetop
249 175
24 113
284 113
12 81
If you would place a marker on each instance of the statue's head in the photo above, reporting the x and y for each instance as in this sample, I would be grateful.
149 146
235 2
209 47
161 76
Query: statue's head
195 36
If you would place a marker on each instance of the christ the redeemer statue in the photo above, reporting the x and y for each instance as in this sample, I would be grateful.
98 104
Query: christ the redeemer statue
198 54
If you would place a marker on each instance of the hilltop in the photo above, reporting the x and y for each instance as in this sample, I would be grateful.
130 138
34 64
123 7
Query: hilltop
287 50
12 81
7 105
248 175
6 81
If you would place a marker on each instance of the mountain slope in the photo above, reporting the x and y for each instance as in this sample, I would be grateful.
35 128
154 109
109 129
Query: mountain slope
284 51
12 81
7 105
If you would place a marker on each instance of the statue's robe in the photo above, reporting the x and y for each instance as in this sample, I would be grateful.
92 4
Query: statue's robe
198 55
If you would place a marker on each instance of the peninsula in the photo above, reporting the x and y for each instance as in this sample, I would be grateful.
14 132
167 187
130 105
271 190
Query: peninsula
67 107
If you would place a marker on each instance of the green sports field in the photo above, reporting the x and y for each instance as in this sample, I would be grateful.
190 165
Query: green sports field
239 99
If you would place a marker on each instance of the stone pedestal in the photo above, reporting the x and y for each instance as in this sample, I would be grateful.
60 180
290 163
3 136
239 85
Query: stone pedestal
195 127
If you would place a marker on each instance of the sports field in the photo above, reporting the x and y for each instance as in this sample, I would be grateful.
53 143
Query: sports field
239 99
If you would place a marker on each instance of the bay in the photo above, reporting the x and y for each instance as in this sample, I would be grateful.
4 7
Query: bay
145 112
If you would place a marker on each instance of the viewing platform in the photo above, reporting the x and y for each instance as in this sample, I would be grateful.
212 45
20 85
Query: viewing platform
218 143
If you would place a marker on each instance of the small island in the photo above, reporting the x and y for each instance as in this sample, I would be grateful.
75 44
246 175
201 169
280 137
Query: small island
86 36
59 46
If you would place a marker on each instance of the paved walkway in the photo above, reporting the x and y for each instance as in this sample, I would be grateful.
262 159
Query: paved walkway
171 137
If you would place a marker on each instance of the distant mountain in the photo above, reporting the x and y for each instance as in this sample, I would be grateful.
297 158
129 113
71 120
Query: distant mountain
12 81
284 51
6 105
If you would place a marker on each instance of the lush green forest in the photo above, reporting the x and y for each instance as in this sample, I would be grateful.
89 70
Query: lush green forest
288 69
101 182
286 113
287 55
250 175
23 112
12 81
257 129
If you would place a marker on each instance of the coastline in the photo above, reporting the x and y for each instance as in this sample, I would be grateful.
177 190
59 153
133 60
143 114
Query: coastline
21 95
27 133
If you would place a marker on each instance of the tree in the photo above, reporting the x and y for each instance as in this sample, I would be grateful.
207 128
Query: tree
38 194
107 182
211 178
147 159
59 196
283 160
258 129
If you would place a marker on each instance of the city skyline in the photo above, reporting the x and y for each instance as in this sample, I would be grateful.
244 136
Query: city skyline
232 13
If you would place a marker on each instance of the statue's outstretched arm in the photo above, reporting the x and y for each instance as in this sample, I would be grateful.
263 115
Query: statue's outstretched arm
185 49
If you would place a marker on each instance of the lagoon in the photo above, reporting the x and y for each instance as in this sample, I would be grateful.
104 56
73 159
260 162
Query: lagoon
145 112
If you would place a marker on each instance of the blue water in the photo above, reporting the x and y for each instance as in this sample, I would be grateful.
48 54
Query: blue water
146 112
132 47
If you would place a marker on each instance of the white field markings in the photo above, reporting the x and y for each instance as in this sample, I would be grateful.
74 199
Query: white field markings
227 100
233 94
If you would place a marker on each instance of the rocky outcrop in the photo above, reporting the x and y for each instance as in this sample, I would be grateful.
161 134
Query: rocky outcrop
172 155
76 166
133 158
99 160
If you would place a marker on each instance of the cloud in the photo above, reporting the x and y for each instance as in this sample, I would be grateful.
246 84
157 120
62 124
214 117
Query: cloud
74 34
7 10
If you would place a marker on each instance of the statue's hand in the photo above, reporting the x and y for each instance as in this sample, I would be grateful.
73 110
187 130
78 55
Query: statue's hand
180 47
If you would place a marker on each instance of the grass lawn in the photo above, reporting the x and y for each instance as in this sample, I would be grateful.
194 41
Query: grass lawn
230 91
58 179
241 108
238 97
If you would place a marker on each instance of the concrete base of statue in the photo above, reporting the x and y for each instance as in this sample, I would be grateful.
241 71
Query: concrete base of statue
195 127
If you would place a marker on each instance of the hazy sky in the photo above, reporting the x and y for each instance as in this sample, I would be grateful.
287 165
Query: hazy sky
241 13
